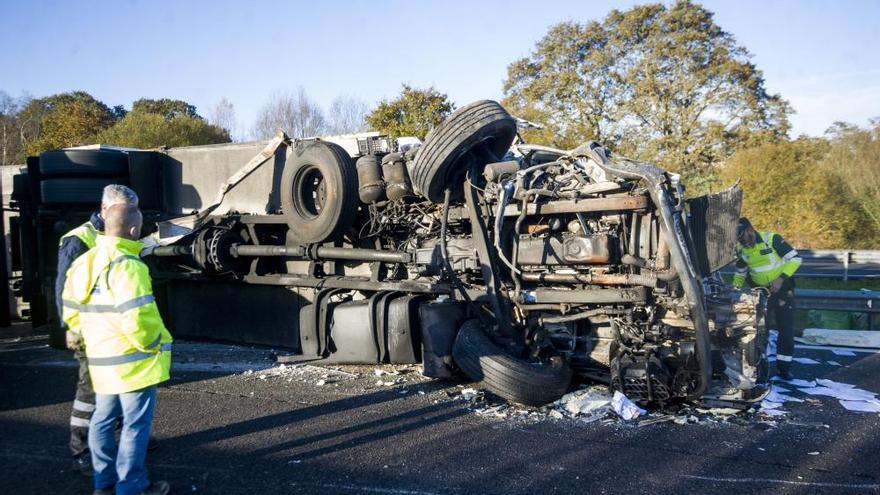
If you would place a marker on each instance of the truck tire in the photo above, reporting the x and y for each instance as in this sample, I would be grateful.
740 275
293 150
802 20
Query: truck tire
319 192
84 163
513 379
439 163
76 191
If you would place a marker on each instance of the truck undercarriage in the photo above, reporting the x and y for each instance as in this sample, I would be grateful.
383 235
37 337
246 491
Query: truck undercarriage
524 266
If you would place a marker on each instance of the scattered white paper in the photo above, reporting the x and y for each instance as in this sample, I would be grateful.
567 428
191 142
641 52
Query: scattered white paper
804 360
588 401
468 394
765 404
797 382
625 407
832 384
833 363
842 352
841 393
779 388
861 406
812 453
774 412
775 396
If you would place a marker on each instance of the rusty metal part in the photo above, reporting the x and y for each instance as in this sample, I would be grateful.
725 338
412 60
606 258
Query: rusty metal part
615 203
397 181
498 171
592 278
371 187
591 296
593 249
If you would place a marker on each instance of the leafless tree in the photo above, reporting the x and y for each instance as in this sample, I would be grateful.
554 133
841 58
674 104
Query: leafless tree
296 113
222 114
347 115
11 128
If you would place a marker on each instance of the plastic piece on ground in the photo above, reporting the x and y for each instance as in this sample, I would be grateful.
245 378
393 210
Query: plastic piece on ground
624 407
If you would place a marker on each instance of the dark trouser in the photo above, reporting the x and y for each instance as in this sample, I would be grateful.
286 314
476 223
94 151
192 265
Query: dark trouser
782 306
83 407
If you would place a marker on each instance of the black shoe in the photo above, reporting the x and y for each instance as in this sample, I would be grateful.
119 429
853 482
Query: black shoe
104 491
784 375
83 464
157 488
153 444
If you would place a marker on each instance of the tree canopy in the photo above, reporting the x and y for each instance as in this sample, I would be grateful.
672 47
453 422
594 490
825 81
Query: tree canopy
412 113
153 130
659 83
62 120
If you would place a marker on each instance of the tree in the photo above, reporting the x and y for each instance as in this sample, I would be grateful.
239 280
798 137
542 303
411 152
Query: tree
222 114
660 83
11 146
144 129
62 120
788 190
166 107
855 159
413 113
346 115
295 113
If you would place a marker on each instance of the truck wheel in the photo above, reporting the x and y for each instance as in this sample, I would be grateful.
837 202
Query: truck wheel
76 191
319 192
513 379
483 128
83 163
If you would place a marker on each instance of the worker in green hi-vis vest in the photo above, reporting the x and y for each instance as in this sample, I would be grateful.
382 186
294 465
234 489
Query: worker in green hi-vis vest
765 260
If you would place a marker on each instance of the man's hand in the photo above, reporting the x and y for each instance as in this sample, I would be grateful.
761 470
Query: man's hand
73 341
776 284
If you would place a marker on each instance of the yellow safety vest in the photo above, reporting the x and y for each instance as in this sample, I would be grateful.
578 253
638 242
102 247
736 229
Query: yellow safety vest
108 299
86 232
763 263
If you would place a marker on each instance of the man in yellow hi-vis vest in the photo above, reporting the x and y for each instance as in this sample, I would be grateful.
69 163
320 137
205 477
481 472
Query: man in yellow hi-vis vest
71 246
108 300
766 260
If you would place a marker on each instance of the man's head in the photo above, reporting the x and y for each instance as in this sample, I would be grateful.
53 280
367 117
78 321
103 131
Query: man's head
117 194
124 221
745 233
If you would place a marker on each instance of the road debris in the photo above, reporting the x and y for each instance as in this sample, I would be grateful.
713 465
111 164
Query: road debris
624 407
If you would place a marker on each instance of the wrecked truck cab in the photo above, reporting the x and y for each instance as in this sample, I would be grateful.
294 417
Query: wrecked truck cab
526 267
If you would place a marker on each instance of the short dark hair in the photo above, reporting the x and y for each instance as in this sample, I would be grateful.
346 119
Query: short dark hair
742 226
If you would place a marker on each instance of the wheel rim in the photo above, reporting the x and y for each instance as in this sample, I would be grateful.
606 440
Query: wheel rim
309 192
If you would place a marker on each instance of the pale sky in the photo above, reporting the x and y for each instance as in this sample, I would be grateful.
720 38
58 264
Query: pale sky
822 56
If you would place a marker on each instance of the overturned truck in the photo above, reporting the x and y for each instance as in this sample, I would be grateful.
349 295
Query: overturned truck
526 267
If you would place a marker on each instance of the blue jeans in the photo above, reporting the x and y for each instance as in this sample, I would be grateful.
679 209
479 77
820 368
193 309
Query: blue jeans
124 467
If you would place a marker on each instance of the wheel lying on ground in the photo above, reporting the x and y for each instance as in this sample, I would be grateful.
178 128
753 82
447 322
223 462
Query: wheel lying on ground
511 378
482 128
83 163
319 192
76 191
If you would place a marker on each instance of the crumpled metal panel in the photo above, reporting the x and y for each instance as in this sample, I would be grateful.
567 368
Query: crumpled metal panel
713 219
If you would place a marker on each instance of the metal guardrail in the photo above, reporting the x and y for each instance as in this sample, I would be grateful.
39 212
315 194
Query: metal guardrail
847 258
856 301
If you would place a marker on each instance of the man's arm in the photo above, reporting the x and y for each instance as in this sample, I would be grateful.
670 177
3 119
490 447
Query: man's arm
71 248
129 282
790 259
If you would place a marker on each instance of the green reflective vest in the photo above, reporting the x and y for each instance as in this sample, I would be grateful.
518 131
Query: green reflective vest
762 263
86 232
108 299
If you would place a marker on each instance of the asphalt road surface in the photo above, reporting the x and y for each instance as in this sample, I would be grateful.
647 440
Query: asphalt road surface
233 422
